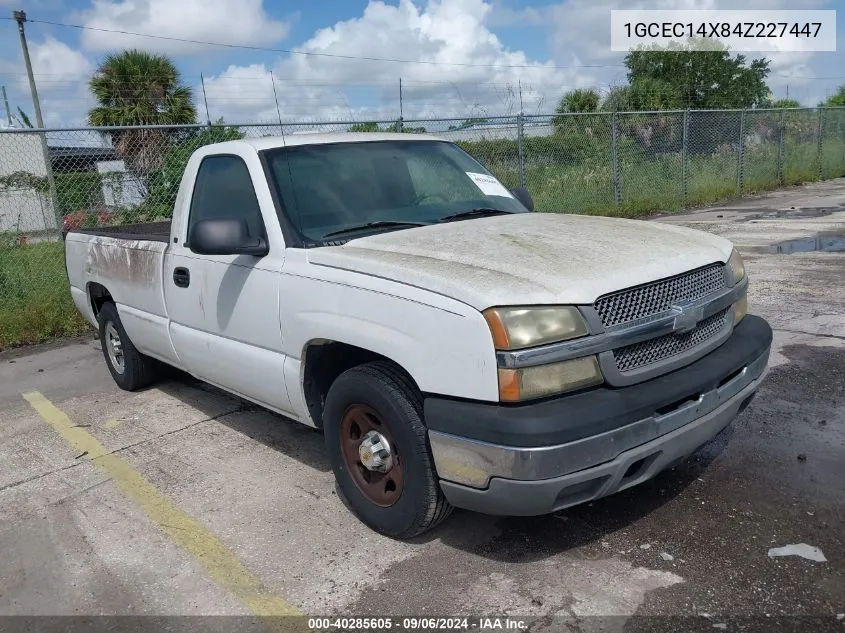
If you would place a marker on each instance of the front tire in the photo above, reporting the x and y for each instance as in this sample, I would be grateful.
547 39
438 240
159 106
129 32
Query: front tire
129 368
378 447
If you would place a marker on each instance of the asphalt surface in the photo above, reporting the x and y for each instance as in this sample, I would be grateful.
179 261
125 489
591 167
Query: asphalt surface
205 505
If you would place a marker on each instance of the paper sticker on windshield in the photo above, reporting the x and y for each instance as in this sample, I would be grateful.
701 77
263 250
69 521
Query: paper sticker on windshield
489 186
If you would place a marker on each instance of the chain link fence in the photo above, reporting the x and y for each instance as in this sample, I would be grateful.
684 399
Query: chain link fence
601 163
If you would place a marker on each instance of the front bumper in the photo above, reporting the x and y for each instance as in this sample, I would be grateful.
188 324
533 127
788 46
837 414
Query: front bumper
538 458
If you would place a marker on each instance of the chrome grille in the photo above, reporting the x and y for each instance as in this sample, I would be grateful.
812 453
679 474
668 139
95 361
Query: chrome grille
659 296
645 353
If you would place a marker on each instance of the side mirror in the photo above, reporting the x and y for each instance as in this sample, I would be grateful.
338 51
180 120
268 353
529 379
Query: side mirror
521 194
225 236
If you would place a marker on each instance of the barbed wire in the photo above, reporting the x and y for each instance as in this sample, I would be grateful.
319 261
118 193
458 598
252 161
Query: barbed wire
227 95
534 65
289 51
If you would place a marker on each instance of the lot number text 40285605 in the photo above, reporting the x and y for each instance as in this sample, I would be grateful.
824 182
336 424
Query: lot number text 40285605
416 624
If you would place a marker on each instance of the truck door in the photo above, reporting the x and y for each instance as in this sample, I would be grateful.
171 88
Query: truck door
223 309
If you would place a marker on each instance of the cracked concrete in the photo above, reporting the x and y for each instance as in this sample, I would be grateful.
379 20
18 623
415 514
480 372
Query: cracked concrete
71 543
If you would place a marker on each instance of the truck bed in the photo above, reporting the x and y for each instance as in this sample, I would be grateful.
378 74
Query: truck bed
150 231
125 260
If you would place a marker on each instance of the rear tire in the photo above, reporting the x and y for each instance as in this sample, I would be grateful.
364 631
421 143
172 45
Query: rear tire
129 368
403 499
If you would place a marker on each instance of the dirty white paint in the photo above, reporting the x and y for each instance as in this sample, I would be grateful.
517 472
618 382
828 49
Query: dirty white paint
532 258
131 271
243 323
413 296
129 268
444 344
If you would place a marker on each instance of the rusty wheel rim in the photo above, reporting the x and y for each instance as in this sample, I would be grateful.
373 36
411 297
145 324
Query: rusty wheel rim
359 425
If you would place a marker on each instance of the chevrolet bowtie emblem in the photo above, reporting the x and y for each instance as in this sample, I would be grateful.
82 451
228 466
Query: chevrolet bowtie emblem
686 318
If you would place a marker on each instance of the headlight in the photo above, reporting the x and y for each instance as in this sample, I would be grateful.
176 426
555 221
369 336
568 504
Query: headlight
518 327
736 266
740 309
526 383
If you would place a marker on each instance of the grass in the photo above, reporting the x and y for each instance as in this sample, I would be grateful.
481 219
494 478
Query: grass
35 303
657 185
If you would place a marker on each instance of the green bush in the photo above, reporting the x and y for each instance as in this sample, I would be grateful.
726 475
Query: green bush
570 144
654 183
164 182
77 191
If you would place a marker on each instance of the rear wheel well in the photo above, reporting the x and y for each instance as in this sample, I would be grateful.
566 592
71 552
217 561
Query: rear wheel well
325 361
98 295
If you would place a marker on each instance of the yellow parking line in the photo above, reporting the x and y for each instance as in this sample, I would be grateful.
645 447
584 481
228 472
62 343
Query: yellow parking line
221 563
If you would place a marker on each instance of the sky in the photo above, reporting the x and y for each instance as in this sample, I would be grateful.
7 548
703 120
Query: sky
480 55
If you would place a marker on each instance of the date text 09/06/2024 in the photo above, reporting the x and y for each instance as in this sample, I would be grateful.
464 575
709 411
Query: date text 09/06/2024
417 624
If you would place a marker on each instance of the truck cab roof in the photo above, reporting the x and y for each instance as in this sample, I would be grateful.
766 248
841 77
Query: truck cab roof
321 138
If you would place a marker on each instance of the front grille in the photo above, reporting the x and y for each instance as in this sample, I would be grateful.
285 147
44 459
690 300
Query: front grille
659 296
657 349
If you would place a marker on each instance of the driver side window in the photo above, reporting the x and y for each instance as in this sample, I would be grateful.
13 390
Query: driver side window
223 189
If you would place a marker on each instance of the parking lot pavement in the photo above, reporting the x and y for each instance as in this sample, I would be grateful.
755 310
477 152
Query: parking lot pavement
183 500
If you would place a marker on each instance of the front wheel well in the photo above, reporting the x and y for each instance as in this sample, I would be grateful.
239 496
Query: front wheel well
324 361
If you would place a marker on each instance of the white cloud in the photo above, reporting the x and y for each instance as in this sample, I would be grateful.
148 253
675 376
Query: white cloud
580 33
790 67
220 21
57 65
61 76
245 94
458 32
503 15
240 94
475 74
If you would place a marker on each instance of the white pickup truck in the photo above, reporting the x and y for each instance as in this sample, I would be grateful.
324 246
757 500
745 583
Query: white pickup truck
455 347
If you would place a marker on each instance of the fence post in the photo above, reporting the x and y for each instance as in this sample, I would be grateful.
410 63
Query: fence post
520 135
740 185
821 141
684 141
617 185
781 149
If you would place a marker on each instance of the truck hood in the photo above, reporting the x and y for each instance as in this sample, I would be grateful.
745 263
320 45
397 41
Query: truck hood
528 258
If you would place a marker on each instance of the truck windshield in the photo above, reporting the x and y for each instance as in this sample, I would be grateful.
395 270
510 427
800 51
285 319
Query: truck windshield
342 190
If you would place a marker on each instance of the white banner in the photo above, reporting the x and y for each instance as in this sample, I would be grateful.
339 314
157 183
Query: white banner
739 30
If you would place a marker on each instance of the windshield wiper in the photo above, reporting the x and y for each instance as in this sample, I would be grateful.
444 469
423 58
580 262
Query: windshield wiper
372 225
474 213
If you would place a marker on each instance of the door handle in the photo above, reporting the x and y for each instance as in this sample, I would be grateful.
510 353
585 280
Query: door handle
181 277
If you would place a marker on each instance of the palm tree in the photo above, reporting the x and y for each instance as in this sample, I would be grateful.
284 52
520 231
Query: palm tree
579 100
140 88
